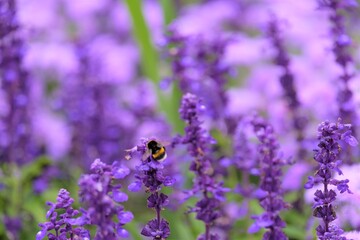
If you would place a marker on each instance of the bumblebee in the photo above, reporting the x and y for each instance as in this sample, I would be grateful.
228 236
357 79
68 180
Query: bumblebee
156 150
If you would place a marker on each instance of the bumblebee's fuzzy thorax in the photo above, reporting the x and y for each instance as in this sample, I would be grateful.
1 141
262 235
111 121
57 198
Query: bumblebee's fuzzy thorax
157 150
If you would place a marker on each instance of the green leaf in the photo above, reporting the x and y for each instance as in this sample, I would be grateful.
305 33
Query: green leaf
294 232
177 222
223 141
34 169
170 104
2 231
133 228
197 227
36 207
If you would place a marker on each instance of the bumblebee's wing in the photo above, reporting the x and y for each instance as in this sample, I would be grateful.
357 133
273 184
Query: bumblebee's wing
146 155
164 143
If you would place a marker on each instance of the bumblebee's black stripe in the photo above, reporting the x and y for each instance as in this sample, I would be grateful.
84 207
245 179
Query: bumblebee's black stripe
153 146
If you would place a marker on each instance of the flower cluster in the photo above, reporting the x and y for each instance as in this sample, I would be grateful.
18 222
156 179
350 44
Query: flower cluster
287 81
330 135
16 141
15 126
198 66
100 195
62 226
13 226
150 174
243 151
89 105
342 51
270 182
197 141
244 158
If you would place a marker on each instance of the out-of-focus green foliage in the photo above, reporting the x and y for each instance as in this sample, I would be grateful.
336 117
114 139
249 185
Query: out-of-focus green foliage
168 101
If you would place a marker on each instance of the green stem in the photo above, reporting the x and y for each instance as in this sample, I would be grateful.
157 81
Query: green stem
149 63
15 197
169 12
149 56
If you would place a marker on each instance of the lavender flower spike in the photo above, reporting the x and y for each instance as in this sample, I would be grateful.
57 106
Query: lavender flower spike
199 67
197 140
270 182
16 144
100 193
287 82
62 226
150 174
342 51
330 136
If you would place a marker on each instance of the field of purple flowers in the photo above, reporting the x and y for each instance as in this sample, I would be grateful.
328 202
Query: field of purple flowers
179 119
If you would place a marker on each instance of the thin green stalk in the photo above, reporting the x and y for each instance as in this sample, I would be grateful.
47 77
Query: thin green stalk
15 197
169 12
149 56
168 104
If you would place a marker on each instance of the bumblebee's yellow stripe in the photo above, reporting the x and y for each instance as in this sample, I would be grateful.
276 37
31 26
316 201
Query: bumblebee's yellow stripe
158 153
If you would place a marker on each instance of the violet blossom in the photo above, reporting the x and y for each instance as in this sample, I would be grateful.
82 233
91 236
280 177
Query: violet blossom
330 136
13 226
95 116
270 182
150 173
62 226
287 81
101 195
342 52
16 141
211 191
245 160
15 126
198 65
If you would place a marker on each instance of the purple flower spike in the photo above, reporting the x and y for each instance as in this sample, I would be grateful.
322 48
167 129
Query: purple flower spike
100 194
270 182
13 226
330 136
197 141
198 65
150 174
245 158
62 226
16 141
287 81
342 52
